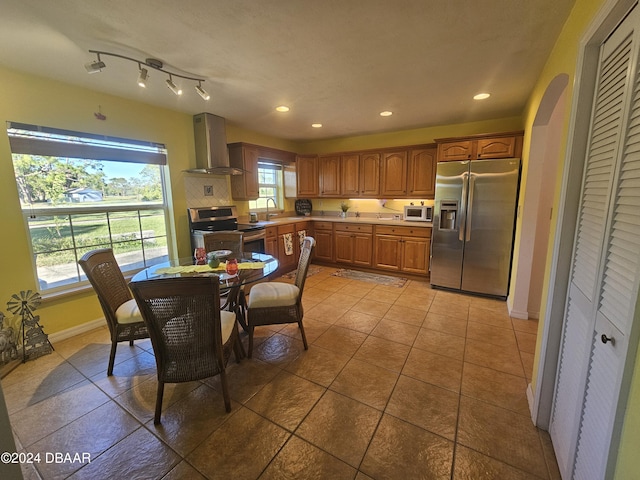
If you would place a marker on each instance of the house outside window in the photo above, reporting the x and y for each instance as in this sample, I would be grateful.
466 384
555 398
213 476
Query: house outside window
270 186
80 192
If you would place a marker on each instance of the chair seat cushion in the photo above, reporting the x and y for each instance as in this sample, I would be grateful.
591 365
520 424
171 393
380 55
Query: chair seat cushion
273 294
128 312
227 320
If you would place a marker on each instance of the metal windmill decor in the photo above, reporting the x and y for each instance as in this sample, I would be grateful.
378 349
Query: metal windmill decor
8 348
35 342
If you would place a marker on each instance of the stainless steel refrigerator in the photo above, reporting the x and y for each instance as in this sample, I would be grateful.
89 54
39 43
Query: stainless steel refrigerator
473 225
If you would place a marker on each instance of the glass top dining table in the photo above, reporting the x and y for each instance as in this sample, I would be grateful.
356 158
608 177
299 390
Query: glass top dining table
252 267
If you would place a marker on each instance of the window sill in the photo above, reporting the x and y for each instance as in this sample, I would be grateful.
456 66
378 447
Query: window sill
74 290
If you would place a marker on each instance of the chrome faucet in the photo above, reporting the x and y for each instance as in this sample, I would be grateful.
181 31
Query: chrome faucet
274 204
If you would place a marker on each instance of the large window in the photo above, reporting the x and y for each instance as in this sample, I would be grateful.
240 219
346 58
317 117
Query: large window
270 186
80 192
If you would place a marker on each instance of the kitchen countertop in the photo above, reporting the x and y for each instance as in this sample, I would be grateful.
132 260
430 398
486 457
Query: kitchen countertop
336 219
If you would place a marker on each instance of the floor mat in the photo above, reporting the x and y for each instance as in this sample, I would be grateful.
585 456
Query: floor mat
370 277
313 269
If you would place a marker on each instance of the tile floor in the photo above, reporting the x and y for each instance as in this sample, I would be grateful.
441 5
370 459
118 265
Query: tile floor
398 383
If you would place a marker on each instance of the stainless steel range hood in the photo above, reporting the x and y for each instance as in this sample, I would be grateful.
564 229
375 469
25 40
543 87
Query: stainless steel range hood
212 155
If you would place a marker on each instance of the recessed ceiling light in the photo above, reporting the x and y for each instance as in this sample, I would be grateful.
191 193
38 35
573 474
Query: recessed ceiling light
481 96
282 108
316 125
386 113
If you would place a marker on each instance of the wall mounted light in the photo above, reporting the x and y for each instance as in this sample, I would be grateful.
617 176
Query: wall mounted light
143 74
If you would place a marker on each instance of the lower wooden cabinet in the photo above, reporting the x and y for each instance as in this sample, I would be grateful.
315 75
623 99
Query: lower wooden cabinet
353 244
402 249
287 260
323 232
301 227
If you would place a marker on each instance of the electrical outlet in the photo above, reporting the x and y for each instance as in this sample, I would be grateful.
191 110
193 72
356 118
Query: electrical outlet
208 190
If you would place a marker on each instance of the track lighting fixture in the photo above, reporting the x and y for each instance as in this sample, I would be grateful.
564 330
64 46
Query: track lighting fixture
143 75
202 92
172 86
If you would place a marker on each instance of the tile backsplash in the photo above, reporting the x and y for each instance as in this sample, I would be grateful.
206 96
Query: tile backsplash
206 190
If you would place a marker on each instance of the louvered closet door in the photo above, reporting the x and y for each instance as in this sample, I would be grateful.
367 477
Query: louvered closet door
604 279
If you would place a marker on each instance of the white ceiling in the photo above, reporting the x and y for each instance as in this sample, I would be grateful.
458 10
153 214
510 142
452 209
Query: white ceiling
336 62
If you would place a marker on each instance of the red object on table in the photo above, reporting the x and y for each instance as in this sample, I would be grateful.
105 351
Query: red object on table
200 256
232 266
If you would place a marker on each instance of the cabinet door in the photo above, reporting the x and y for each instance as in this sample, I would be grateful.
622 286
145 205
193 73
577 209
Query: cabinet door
350 175
369 174
394 174
362 249
300 227
329 168
454 151
502 147
245 186
344 247
324 245
415 255
387 252
307 176
422 173
287 261
271 246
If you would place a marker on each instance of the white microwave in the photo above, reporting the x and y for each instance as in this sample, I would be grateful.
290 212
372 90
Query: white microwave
418 213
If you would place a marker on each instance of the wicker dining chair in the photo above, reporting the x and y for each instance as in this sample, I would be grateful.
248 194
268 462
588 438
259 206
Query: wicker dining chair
224 240
191 337
119 308
278 302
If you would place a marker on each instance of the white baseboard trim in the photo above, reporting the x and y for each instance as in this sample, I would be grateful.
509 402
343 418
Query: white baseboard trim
531 401
77 330
520 315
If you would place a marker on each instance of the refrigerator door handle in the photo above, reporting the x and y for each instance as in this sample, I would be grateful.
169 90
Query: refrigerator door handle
472 183
463 207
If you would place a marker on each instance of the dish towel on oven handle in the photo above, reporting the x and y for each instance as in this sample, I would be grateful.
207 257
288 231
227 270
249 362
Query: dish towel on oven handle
288 243
301 235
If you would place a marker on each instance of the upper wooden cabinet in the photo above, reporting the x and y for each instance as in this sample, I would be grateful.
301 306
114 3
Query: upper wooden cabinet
307 175
244 156
329 168
421 177
477 147
360 175
394 174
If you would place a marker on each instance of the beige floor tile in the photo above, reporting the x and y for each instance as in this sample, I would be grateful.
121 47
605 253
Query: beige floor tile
340 426
503 359
94 337
334 284
342 298
326 312
312 329
318 365
383 297
527 364
316 294
340 340
526 342
416 300
45 417
93 433
470 464
441 343
498 306
424 405
94 359
442 307
490 317
501 434
488 333
404 314
453 297
529 326
359 321
140 455
245 379
300 459
278 349
396 331
497 388
186 423
365 383
241 448
183 471
446 324
402 450
126 374
435 369
286 400
373 308
383 353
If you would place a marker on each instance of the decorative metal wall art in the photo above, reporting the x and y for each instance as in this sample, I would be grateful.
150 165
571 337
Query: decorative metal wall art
35 342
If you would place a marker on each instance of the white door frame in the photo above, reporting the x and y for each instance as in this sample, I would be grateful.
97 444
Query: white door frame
609 16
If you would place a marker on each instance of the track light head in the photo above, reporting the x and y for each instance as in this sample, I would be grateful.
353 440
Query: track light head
95 66
173 87
142 77
202 92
